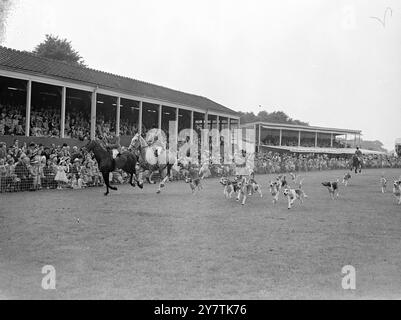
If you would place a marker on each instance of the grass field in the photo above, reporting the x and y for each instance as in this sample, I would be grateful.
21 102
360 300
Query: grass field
135 244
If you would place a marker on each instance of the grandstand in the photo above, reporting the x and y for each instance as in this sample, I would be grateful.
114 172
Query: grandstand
304 139
44 99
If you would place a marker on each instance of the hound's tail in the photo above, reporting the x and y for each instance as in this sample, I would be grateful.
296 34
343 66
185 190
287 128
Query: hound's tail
300 183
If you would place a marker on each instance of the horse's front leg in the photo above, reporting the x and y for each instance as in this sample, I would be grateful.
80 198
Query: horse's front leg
244 198
130 180
162 182
107 182
139 180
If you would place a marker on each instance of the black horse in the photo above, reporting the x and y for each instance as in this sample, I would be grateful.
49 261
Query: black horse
126 161
356 163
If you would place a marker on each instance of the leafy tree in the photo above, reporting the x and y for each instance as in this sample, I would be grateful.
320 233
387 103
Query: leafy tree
59 49
274 117
263 115
247 117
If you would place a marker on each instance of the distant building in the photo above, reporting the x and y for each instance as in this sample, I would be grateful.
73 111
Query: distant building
398 147
283 137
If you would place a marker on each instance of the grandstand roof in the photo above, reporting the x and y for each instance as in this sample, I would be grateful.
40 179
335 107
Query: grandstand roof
28 63
301 127
323 150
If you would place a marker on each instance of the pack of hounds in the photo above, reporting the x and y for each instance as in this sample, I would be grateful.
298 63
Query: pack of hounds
245 186
396 187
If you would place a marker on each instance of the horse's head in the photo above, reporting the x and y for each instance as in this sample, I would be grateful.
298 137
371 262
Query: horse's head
137 141
90 145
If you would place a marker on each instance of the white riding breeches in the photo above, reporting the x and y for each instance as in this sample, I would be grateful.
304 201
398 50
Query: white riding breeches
115 153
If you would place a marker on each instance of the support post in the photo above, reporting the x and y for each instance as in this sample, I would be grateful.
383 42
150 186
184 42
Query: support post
177 119
177 113
62 116
316 139
192 126
281 137
331 140
299 138
28 107
118 111
160 117
140 117
93 114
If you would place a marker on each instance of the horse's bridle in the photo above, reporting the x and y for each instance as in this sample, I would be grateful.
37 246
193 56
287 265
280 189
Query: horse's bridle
140 144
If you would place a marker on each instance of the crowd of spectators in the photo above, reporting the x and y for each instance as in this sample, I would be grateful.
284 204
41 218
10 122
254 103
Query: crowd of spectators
45 122
12 120
305 142
271 162
127 128
77 125
32 167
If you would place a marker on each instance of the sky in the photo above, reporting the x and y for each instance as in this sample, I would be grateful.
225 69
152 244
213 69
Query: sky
326 62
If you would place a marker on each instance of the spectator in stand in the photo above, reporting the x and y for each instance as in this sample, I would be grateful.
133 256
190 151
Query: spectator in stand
12 120
3 150
61 175
3 174
24 174
49 173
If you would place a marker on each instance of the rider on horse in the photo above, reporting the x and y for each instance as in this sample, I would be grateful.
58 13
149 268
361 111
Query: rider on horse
110 142
358 153
357 160
155 141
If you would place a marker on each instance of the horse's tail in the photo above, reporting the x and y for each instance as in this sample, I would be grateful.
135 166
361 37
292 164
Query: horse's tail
169 166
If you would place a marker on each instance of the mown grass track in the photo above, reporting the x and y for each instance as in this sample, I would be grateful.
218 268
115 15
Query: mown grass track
135 244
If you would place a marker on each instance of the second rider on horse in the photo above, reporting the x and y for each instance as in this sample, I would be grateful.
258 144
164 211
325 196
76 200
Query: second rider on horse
155 141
